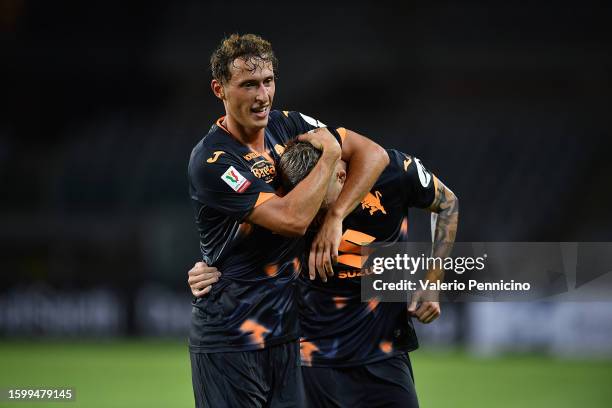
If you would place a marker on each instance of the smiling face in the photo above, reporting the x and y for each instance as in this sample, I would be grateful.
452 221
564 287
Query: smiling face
247 95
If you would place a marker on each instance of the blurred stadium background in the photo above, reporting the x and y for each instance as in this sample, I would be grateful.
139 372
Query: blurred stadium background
509 104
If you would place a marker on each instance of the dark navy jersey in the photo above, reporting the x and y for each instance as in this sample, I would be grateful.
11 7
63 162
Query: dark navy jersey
338 329
253 304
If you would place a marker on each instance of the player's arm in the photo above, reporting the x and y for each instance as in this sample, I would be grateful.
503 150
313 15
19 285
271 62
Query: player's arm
366 161
288 215
291 214
444 220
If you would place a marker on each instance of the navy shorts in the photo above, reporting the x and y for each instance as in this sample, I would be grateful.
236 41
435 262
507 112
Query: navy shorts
388 383
270 377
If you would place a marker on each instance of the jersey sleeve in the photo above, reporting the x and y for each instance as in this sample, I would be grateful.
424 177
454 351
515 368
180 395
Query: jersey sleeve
418 183
226 185
299 123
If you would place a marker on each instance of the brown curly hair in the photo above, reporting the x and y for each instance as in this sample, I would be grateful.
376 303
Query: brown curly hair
249 47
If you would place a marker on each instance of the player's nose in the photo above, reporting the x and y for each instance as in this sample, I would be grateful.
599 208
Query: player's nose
262 94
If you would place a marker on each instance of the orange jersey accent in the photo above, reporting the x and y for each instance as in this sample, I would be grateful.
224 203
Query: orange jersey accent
257 331
372 202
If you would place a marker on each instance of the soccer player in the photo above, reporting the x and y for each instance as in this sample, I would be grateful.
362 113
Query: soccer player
354 354
243 335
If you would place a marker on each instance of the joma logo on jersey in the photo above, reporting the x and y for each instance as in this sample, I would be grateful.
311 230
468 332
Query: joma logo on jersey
235 180
372 203
215 156
264 170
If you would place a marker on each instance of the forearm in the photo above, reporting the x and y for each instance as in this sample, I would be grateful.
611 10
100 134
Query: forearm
303 202
444 221
365 166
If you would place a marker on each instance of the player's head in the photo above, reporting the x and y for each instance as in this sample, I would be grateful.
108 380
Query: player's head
298 159
243 69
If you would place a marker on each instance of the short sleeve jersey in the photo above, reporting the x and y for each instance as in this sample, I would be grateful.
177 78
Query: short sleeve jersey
253 304
339 330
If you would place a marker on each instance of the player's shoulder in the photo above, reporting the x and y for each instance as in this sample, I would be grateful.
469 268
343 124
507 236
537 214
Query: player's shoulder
296 116
293 120
282 125
278 115
214 138
281 115
280 119
214 147
402 167
412 172
398 161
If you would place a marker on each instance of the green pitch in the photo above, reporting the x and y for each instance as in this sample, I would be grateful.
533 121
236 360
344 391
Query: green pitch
156 374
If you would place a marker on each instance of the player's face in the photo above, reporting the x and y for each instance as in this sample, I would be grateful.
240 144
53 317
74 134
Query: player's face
249 93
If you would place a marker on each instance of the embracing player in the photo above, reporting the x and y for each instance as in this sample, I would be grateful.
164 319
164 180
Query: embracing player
244 333
354 353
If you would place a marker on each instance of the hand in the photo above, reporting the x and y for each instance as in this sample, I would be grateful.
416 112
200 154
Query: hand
324 249
427 310
322 139
201 278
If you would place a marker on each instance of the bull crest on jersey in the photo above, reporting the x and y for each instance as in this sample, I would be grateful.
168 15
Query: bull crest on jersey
372 203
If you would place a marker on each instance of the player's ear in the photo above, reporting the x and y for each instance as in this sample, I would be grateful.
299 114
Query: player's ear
341 174
217 89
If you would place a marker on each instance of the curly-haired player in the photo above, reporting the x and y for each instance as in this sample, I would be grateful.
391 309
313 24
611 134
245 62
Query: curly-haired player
244 332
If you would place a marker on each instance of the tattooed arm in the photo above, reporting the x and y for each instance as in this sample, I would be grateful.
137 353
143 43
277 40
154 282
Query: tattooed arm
444 220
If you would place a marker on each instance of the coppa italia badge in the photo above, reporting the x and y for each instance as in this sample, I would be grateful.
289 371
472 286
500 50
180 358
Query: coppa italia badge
235 180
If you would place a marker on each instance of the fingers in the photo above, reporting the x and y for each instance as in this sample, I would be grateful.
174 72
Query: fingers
193 279
413 306
431 316
416 296
311 138
327 263
321 138
201 272
206 282
311 263
427 312
323 260
201 277
200 268
202 287
199 293
320 263
334 253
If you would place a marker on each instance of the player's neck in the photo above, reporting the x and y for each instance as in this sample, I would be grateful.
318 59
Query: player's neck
252 138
